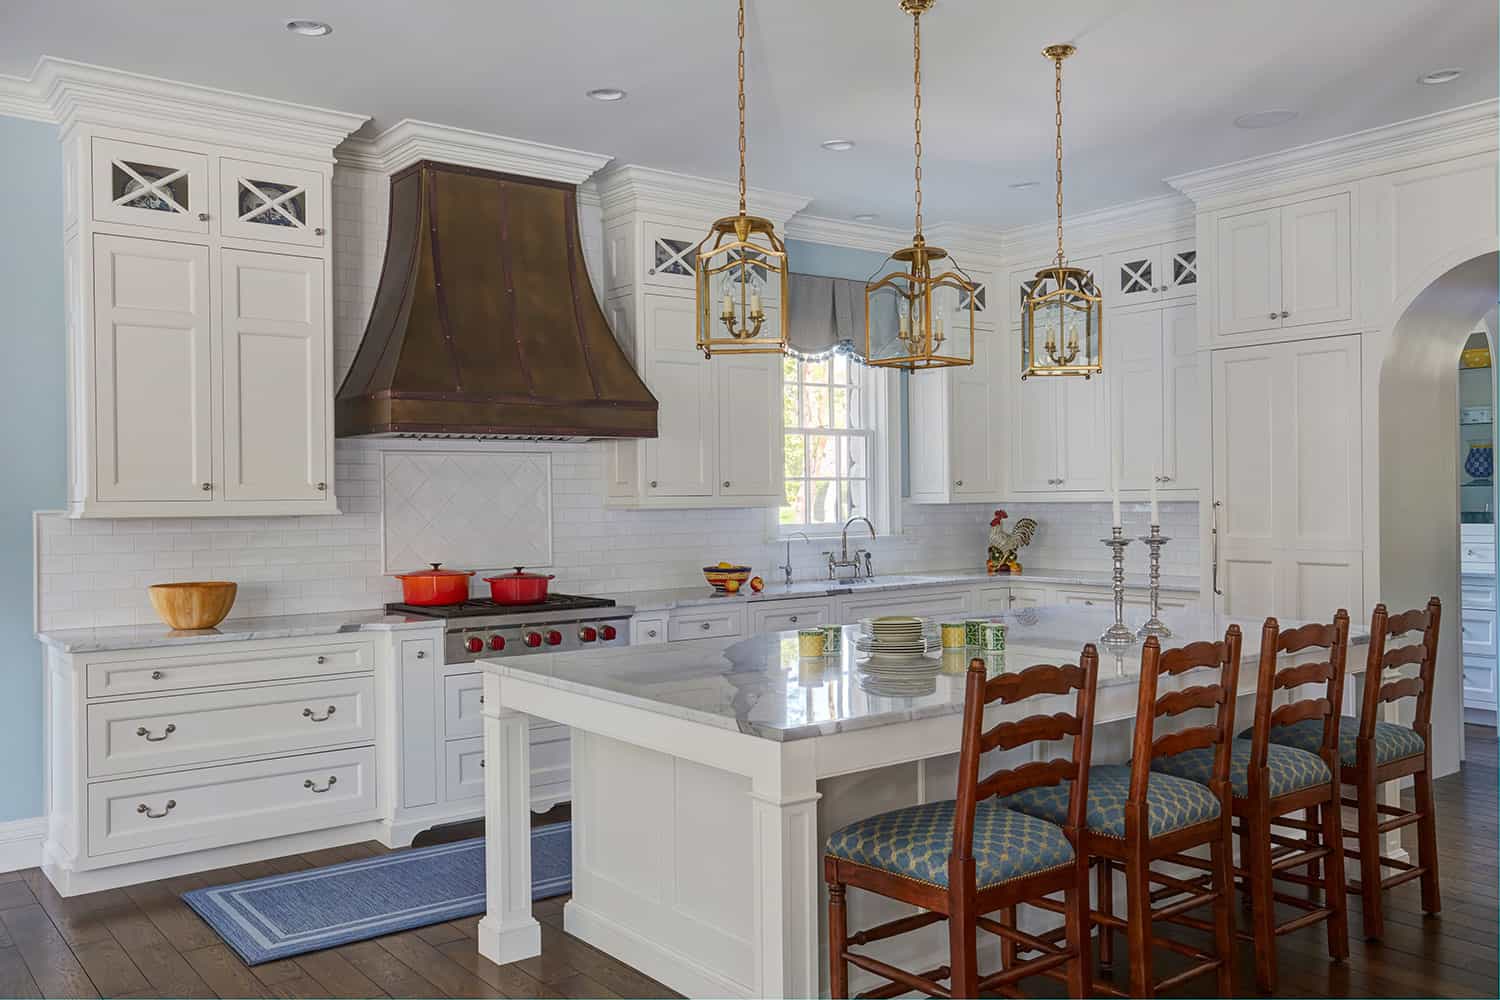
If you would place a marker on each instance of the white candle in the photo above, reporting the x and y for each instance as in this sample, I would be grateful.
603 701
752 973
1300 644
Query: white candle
755 303
1155 509
1114 489
728 305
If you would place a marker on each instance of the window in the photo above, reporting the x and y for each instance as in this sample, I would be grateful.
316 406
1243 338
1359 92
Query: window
829 446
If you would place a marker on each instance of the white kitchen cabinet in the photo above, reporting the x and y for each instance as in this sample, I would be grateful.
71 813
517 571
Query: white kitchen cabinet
710 623
943 604
1029 597
152 382
1477 626
158 187
1060 442
271 203
1286 513
781 616
747 392
679 461
1284 267
1150 275
1153 372
955 419
275 357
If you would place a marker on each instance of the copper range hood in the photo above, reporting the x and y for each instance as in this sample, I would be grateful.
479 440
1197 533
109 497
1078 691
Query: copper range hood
485 324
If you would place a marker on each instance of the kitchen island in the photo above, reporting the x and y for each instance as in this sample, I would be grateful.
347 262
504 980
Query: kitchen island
707 775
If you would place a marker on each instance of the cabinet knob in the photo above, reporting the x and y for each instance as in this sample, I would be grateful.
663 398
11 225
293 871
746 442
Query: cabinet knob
793 619
653 484
322 659
706 626
726 484
157 675
322 487
1272 316
207 487
421 654
1284 314
958 482
651 633
1166 479
318 231
202 216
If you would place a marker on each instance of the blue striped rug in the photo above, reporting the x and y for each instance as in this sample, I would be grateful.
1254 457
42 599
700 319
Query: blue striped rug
283 915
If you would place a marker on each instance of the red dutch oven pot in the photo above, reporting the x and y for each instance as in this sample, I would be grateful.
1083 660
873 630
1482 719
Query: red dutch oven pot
519 587
436 586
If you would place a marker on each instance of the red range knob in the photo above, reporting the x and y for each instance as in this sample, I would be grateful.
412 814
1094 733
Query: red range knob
497 642
473 644
587 634
554 637
533 639
607 633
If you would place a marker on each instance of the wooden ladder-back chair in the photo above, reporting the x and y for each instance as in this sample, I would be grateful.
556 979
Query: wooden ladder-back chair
964 859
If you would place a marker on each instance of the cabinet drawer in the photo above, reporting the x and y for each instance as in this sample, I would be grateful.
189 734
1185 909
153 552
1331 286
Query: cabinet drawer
1477 557
155 674
1479 683
464 768
719 624
462 696
947 605
1478 594
993 600
231 803
781 616
648 630
212 726
1478 629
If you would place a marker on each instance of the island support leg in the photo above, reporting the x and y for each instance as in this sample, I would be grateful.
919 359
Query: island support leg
788 867
508 932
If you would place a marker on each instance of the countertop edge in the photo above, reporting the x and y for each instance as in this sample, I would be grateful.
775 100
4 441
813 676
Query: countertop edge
74 641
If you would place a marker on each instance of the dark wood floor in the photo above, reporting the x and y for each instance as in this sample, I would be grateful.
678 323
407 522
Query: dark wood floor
144 941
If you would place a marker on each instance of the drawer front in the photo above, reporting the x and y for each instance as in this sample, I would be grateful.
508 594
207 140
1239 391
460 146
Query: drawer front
212 726
1478 632
928 604
464 769
993 600
781 616
723 624
1479 683
647 631
462 696
1478 594
231 803
155 674
1477 557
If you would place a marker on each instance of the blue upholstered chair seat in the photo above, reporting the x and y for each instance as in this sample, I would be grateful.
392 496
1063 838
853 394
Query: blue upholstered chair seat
1171 803
1392 741
1290 769
915 843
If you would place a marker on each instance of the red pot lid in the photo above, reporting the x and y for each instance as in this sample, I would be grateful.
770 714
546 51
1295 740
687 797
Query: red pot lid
520 574
436 570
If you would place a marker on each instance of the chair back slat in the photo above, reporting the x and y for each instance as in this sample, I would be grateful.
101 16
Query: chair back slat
1042 680
1383 627
1273 677
1406 687
1008 736
1183 740
1201 696
1221 657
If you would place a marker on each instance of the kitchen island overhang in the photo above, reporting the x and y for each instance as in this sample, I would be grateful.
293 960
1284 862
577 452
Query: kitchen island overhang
708 774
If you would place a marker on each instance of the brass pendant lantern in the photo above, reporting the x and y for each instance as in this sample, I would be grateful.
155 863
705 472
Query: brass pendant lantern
915 319
736 262
1062 313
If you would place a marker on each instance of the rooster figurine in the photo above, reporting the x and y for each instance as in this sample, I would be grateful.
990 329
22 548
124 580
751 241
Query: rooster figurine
1005 544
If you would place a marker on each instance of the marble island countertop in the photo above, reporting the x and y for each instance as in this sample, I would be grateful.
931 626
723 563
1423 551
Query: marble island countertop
686 597
96 640
762 687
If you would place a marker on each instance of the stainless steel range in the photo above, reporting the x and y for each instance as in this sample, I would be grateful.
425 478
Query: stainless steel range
481 629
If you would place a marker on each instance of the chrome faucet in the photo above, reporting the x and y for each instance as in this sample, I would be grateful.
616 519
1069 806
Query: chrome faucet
786 568
846 567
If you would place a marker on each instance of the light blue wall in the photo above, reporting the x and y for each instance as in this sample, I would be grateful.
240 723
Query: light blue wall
831 262
33 417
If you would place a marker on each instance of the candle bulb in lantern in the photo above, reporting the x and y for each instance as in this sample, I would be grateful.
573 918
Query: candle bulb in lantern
755 304
728 304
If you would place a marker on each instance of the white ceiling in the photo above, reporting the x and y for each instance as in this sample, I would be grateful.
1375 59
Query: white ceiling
1153 91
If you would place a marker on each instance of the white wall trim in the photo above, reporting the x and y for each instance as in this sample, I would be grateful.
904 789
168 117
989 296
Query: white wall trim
409 140
1149 220
849 235
636 189
18 99
1441 136
21 843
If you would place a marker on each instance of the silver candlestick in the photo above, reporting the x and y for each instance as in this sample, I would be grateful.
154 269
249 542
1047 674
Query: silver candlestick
1154 625
1118 634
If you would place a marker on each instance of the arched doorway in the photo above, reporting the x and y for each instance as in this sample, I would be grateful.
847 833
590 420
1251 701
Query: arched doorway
1419 465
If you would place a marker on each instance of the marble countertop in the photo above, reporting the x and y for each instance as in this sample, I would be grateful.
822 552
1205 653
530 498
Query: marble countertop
687 597
97 640
761 687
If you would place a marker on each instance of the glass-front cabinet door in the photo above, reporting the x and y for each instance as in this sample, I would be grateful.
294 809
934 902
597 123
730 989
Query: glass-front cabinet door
141 185
262 201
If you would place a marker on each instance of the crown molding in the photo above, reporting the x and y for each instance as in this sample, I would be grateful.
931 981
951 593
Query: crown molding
1443 135
849 235
18 99
81 94
632 188
1149 220
409 140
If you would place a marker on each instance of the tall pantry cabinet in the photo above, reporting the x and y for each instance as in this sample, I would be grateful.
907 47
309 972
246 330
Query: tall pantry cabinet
197 272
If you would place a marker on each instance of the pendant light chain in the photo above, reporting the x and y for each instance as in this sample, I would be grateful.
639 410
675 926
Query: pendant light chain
1057 61
916 43
742 106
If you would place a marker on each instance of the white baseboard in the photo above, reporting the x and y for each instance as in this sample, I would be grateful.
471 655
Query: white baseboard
21 843
666 966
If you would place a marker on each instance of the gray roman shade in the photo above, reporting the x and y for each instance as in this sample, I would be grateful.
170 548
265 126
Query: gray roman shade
828 314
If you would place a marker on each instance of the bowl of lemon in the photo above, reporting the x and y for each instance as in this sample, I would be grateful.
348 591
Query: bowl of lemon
726 577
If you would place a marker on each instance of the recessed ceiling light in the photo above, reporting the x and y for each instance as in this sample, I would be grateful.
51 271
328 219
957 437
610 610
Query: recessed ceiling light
866 217
839 145
1441 76
608 94
1023 185
313 29
1265 119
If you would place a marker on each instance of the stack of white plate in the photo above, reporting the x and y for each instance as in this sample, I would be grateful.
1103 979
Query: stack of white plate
895 637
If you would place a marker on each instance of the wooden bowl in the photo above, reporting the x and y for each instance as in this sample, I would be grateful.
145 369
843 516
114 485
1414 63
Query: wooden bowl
191 606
